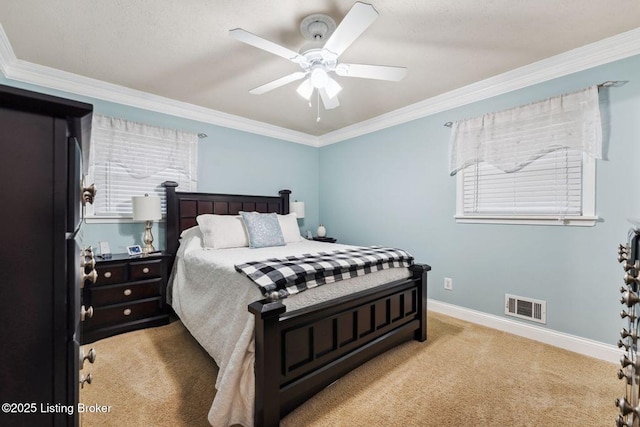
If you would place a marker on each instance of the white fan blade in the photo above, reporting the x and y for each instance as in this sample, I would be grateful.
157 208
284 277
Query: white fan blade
329 103
354 23
264 44
378 72
277 83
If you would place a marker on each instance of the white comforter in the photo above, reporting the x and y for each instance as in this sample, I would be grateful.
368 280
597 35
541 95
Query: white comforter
211 299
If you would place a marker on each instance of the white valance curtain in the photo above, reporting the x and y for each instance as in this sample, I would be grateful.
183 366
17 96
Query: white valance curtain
130 159
511 139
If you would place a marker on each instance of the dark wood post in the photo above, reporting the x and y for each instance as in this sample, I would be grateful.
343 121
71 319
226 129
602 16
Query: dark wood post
171 225
268 365
420 272
284 196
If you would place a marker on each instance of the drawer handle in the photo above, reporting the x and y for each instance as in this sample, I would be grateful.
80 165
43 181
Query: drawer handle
145 270
127 311
86 261
85 312
107 274
86 379
91 357
88 194
127 292
92 276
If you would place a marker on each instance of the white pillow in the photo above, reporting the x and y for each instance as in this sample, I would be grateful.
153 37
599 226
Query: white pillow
189 238
190 232
289 227
222 231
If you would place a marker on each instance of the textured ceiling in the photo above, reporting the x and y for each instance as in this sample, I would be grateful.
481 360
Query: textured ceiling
180 49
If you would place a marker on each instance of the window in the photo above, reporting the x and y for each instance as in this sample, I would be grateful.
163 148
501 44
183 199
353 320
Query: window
531 165
131 159
556 188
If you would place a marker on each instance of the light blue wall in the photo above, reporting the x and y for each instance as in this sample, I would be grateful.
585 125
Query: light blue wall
392 187
229 161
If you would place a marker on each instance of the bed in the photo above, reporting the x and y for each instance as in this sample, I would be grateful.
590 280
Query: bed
293 347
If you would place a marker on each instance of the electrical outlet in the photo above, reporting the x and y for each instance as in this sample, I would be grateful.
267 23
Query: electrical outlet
448 283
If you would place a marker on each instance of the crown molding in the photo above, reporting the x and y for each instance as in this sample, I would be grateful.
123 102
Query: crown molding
27 72
604 51
7 57
601 52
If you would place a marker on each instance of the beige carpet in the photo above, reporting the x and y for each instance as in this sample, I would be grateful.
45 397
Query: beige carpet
464 375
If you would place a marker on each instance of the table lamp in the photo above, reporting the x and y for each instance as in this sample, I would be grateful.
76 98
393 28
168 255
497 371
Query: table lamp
297 208
146 208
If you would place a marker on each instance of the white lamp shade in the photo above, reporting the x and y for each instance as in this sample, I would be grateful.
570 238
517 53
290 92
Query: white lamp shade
146 208
297 208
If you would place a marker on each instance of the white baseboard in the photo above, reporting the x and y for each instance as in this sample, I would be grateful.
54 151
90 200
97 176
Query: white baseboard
587 347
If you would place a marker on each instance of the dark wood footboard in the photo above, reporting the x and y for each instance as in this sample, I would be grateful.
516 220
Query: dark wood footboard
301 352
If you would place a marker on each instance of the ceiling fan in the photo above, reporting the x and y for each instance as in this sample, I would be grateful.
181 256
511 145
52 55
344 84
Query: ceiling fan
317 60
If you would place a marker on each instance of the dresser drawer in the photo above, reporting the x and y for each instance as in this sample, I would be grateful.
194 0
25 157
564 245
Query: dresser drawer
115 294
120 313
145 269
111 273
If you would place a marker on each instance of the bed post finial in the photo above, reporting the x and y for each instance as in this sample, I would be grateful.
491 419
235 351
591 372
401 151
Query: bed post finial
169 190
284 197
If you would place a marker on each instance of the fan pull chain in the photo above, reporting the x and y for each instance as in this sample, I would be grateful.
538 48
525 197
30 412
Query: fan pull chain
318 105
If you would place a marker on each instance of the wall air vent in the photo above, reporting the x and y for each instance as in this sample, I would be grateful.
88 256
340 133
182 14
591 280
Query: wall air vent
525 308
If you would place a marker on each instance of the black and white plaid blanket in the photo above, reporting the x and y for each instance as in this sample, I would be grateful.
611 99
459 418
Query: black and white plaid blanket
294 274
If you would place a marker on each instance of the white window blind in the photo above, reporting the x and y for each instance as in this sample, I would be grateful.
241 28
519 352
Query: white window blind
532 164
551 185
132 159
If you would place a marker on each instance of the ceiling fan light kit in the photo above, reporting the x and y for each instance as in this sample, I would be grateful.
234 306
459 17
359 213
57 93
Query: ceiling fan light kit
317 62
305 89
332 87
319 76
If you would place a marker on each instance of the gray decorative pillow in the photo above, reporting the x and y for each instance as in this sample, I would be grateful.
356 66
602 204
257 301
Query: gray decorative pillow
263 229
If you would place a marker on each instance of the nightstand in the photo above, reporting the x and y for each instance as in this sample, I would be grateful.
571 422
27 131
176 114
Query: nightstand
325 239
129 294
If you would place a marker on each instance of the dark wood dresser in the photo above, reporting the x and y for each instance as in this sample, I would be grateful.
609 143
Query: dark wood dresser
128 294
42 263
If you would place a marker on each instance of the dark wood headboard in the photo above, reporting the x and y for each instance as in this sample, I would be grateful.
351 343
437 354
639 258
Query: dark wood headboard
183 208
